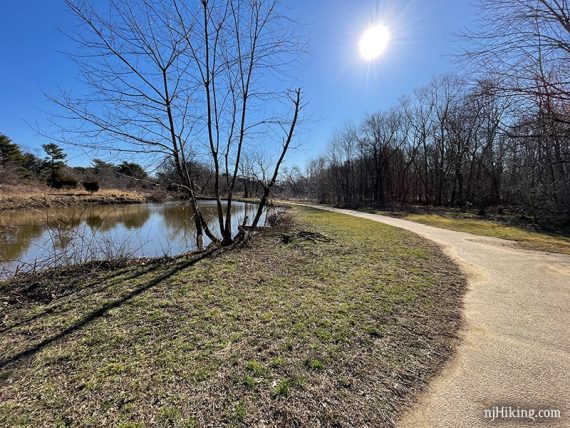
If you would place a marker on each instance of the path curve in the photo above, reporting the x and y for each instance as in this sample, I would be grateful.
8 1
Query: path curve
515 348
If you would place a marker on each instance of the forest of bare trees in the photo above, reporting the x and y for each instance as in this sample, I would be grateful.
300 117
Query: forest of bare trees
496 137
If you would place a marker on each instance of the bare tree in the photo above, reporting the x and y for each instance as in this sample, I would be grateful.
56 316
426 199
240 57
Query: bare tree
290 133
524 47
236 42
183 80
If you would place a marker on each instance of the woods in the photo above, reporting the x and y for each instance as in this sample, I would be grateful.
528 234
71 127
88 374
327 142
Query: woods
497 136
448 144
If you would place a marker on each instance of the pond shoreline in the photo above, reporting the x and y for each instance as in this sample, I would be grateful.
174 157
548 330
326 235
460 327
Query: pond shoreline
13 198
36 239
257 322
18 198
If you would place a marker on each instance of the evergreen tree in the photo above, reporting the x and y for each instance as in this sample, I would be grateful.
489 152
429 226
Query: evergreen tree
132 169
55 159
31 164
9 151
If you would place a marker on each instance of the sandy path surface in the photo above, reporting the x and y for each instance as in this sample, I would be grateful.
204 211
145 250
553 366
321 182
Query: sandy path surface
516 338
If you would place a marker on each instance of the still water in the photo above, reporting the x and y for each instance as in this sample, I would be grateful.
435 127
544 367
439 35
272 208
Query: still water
66 235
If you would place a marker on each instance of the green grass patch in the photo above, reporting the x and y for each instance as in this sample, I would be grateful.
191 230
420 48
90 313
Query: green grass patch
525 238
315 364
255 368
281 332
281 389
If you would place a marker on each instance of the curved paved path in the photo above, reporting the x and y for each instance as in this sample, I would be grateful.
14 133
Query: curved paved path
516 338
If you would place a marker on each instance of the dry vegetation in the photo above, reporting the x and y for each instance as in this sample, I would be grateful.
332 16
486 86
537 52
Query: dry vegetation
37 196
336 321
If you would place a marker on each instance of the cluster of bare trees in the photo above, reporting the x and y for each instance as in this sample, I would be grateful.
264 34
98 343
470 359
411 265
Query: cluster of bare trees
497 137
248 185
187 81
448 144
201 83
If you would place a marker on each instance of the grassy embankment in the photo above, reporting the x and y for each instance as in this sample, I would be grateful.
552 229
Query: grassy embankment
337 329
471 223
19 197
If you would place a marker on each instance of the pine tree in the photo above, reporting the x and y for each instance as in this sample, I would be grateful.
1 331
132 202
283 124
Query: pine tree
9 151
55 160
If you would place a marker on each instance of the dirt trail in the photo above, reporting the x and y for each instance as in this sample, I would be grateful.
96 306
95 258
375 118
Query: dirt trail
516 339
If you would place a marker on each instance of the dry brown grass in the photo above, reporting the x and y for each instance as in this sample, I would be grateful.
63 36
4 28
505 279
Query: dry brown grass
338 331
18 197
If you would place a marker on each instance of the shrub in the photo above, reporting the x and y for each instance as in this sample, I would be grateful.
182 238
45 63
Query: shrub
91 186
59 182
173 187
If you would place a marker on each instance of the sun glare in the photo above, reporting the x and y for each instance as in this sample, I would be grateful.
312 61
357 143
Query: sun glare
373 42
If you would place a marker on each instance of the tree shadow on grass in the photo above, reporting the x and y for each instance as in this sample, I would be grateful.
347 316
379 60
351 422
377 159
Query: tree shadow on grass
110 280
104 309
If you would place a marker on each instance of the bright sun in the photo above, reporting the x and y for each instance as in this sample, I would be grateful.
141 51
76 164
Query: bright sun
374 42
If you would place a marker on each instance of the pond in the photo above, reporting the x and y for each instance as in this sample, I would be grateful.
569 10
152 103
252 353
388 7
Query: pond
68 235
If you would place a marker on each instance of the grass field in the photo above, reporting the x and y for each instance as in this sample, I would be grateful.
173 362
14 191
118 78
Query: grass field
337 321
525 238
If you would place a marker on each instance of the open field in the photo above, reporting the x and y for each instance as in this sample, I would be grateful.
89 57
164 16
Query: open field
524 238
19 197
335 321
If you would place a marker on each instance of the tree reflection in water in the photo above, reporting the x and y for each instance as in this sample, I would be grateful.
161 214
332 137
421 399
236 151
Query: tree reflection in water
82 233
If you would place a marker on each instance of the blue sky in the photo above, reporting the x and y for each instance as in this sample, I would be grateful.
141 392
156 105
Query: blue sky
338 85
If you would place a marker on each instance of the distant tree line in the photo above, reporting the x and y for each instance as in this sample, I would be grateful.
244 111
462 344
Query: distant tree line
249 182
15 164
18 166
498 137
448 145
